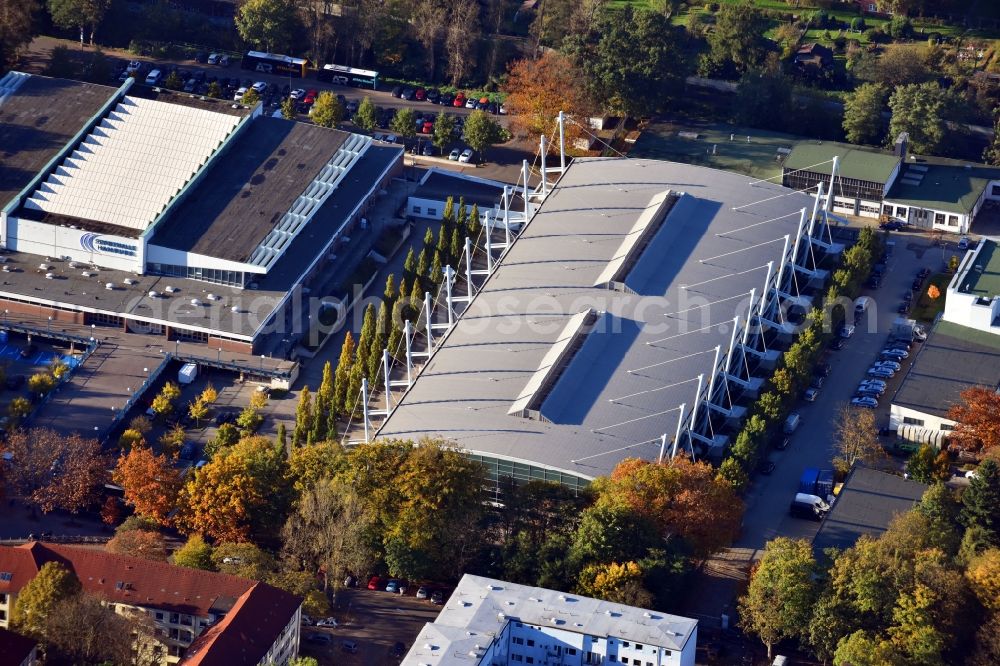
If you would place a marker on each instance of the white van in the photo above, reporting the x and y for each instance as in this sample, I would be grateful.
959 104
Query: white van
792 423
153 78
861 305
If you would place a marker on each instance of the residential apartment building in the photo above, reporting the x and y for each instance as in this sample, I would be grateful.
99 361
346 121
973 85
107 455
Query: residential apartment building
495 623
199 617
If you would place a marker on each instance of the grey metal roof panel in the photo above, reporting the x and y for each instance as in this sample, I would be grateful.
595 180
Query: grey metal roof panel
951 360
621 390
866 504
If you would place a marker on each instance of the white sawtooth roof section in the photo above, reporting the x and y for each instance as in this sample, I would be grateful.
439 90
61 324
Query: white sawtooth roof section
309 202
636 239
133 163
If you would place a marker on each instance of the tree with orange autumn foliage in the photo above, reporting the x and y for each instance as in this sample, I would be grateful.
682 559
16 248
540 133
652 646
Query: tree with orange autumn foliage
151 483
241 491
682 498
56 471
146 544
978 418
538 89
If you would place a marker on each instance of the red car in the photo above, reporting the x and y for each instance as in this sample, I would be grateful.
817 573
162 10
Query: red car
459 100
374 583
428 127
420 94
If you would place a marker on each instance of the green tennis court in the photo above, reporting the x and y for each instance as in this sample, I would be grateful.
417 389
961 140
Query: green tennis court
753 152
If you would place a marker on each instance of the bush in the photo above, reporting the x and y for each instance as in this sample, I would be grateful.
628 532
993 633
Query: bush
712 7
857 24
900 27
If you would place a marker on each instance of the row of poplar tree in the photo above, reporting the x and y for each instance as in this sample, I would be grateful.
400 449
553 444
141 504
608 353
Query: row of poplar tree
340 388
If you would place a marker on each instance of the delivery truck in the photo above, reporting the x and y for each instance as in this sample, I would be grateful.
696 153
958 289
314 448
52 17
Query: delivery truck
188 373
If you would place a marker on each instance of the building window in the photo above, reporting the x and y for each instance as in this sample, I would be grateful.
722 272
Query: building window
624 643
517 640
432 212
175 618
908 420
529 660
417 210
531 643
900 211
3 598
570 650
945 426
996 191
953 220
516 657
612 657
159 616
938 218
638 647
3 616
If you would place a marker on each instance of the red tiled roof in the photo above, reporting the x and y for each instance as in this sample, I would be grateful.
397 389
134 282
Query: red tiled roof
130 580
246 634
14 648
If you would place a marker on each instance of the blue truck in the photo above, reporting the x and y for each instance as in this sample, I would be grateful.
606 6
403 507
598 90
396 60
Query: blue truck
816 481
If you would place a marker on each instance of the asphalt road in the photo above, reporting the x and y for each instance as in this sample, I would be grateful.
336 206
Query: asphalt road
812 445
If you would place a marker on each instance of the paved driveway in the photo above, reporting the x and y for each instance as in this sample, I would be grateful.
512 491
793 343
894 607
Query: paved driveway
767 500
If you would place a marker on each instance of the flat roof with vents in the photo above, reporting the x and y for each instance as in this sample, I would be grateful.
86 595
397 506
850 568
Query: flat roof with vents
133 163
38 116
613 396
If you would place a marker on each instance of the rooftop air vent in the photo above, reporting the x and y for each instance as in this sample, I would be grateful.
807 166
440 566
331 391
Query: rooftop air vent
169 289
154 294
195 302
235 309
110 286
43 267
85 273
129 281
212 297
49 276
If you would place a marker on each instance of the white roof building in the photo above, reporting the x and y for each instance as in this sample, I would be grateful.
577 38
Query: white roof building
495 623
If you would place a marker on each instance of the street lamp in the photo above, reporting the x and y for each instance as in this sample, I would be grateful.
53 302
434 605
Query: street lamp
261 361
219 359
50 323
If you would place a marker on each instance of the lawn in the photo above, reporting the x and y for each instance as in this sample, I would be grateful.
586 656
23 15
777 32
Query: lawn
927 310
713 147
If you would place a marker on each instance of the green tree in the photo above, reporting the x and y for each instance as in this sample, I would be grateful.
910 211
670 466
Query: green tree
612 533
366 341
737 43
341 377
16 27
303 418
404 123
327 110
941 509
480 132
863 113
435 273
250 98
267 24
52 585
288 111
928 465
444 131
173 81
227 435
308 465
759 94
194 554
991 155
409 266
323 405
634 64
779 600
79 14
249 420
981 502
380 342
366 117
918 109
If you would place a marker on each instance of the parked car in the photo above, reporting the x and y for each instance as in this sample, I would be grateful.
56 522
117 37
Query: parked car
213 58
782 443
427 127
437 597
894 365
470 103
349 646
297 94
375 583
867 394
822 370
428 150
420 94
881 373
446 99
238 95
308 621
327 622
433 95
318 638
817 382
459 101
397 91
810 395
866 403
837 343
891 225
466 155
350 581
896 353
875 383
963 243
392 586
847 330
423 592
454 155
407 93
153 78
260 87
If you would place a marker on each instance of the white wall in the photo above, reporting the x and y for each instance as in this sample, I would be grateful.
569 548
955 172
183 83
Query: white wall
48 240
897 414
967 309
545 640
156 254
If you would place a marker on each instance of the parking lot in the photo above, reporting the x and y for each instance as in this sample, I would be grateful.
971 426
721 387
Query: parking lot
20 359
375 621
